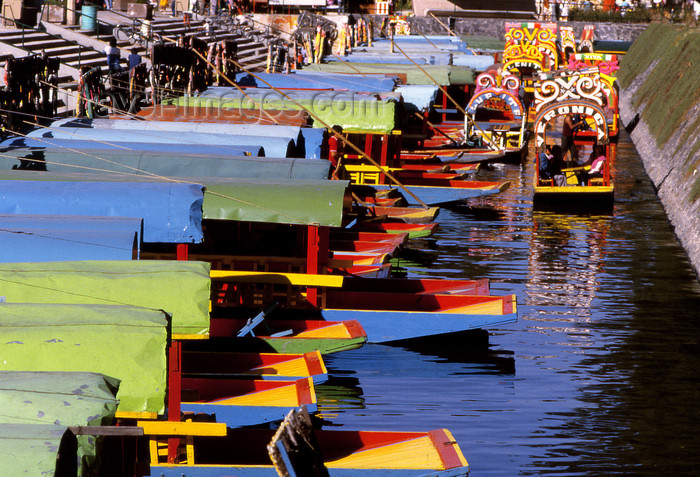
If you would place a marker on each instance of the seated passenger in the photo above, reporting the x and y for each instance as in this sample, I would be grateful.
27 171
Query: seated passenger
550 162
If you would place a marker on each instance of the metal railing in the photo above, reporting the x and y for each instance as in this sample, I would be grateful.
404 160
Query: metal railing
25 27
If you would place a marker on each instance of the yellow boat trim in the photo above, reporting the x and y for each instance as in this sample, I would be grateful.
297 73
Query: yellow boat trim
282 396
176 428
417 453
456 448
338 330
298 279
136 415
575 190
190 336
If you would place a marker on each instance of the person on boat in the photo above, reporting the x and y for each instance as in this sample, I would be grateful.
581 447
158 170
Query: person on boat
134 58
113 55
596 162
569 129
550 162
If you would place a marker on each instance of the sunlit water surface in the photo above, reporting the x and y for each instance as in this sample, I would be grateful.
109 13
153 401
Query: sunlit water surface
599 376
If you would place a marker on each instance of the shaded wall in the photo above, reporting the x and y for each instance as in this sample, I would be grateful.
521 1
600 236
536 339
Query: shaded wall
660 106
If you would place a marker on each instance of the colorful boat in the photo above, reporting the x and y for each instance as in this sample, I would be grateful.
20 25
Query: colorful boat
558 95
393 227
274 146
607 65
286 336
243 452
245 402
496 116
201 358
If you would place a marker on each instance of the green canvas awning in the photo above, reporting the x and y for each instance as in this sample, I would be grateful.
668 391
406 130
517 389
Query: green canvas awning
125 342
181 288
60 399
348 109
33 450
284 202
443 75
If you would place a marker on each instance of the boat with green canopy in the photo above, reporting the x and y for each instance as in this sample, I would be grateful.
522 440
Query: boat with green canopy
121 341
60 398
444 75
179 287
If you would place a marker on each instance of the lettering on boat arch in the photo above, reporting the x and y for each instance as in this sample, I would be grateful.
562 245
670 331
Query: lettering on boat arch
513 103
565 85
553 110
493 84
530 45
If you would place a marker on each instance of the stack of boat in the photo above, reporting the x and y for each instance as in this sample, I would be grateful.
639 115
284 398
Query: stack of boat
187 277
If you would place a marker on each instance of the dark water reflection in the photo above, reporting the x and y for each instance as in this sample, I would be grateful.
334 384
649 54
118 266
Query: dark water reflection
600 376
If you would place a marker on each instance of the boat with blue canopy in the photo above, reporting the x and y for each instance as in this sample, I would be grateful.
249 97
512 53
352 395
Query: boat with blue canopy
80 144
171 212
274 146
302 79
165 164
56 249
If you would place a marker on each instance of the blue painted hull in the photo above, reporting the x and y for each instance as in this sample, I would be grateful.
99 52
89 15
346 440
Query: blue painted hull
439 195
240 416
385 326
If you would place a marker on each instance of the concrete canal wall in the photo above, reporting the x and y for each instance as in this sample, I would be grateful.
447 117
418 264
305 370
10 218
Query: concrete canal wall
660 105
495 27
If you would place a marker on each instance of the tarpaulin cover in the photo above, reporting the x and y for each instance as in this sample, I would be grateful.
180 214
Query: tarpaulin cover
443 75
171 212
301 80
125 342
79 144
286 202
349 109
71 222
41 238
181 288
168 164
418 97
414 58
31 449
46 245
300 202
273 145
260 130
61 399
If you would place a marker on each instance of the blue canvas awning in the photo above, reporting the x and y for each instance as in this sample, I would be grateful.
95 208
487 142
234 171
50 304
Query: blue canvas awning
274 146
169 165
293 133
45 238
171 212
52 143
304 80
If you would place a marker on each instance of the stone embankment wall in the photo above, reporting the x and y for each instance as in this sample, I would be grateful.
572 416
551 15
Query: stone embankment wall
493 27
660 106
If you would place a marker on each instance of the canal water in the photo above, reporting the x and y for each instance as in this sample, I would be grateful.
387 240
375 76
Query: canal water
599 376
